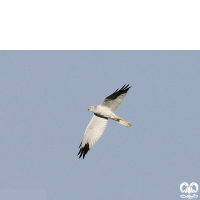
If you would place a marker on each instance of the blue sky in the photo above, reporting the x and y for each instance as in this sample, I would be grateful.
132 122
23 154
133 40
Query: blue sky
44 100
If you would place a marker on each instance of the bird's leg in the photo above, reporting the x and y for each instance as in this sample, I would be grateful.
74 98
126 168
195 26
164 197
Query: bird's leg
115 118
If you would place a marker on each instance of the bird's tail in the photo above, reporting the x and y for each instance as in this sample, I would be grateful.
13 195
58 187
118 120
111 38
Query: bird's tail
123 122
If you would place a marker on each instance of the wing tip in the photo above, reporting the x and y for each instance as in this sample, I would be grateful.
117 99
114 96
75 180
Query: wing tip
124 89
83 150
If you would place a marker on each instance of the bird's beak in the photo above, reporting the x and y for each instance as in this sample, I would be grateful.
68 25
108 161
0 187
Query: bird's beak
89 108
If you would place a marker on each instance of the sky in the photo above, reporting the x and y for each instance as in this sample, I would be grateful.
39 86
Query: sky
44 103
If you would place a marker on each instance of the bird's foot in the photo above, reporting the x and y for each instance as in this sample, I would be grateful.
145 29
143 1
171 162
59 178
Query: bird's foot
116 118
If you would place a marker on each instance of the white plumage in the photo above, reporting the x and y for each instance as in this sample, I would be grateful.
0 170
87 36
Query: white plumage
99 120
94 130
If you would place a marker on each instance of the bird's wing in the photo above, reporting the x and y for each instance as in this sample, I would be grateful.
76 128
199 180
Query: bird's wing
114 100
93 132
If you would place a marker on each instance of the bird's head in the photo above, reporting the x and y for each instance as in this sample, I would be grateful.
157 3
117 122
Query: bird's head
91 108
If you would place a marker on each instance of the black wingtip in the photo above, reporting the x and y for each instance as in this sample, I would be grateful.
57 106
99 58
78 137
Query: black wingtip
83 150
124 89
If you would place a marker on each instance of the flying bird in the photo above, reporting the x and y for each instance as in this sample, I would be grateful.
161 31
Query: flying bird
99 120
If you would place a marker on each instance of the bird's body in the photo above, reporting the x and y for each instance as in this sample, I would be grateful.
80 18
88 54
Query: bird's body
107 113
102 111
100 118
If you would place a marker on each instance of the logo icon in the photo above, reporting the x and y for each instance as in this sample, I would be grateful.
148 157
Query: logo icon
190 189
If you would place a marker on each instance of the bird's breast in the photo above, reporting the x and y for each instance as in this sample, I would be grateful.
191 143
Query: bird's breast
104 112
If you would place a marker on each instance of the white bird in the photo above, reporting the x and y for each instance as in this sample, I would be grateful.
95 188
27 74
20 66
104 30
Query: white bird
99 120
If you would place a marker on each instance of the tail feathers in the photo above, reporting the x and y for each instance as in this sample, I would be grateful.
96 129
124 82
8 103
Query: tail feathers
123 122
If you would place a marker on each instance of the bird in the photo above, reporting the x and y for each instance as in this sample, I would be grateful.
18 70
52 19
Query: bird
98 123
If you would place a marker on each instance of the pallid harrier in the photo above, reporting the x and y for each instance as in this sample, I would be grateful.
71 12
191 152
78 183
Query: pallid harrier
99 120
